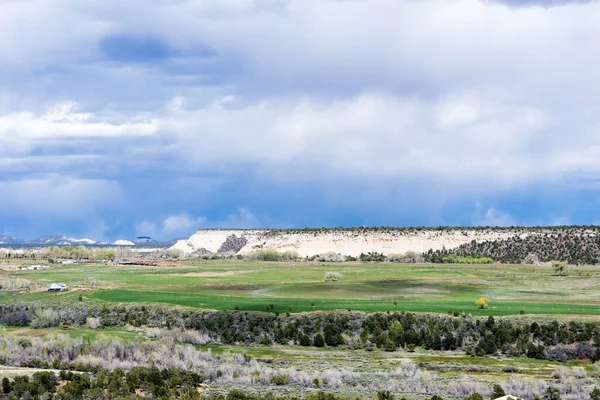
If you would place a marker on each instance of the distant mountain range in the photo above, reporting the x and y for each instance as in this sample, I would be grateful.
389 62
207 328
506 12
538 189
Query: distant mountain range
6 240
144 240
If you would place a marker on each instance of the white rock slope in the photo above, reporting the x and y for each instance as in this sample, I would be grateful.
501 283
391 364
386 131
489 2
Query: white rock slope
346 242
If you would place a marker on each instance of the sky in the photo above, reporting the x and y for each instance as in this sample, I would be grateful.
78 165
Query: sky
161 117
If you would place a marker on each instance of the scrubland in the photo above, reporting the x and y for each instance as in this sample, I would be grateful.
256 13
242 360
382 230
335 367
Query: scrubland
320 329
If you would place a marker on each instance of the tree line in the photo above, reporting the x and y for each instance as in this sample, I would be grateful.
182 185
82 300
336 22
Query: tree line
551 340
570 245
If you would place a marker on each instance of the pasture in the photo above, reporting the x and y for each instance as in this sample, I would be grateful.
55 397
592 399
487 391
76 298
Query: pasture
300 287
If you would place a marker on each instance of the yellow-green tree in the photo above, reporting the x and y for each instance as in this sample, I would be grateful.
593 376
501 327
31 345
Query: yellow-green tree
482 302
560 268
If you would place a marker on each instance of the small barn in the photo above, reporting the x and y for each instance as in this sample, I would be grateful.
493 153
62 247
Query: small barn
57 287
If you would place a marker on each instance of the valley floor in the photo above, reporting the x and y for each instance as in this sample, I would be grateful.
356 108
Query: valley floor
299 287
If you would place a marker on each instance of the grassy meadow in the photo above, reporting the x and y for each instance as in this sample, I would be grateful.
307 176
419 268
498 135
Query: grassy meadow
299 287
352 372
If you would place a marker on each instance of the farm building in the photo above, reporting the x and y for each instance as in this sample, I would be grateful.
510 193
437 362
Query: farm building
36 267
57 287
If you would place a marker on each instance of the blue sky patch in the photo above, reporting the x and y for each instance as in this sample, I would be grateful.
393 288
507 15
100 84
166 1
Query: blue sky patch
134 49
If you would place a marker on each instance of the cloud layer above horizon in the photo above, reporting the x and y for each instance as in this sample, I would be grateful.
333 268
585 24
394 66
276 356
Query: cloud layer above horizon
162 117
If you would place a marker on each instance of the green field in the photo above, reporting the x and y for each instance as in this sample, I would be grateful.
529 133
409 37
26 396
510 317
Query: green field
300 287
295 287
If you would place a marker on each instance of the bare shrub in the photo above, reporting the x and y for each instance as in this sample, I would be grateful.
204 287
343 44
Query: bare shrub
464 386
92 282
180 335
17 283
330 256
525 388
563 353
413 257
557 353
300 377
44 318
532 259
333 276
407 370
335 378
15 318
560 373
409 257
584 351
573 389
290 255
174 253
93 323
264 255
395 257
579 372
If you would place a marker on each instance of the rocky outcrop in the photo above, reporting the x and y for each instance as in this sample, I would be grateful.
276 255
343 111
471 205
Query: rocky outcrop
201 252
233 244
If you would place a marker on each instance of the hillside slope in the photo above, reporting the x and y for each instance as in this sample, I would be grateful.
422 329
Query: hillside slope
349 242
575 244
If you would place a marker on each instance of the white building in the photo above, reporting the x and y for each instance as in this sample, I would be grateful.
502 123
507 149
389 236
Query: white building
57 287
36 267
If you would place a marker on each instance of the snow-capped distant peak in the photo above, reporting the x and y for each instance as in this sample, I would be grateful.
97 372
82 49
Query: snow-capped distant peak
124 243
84 240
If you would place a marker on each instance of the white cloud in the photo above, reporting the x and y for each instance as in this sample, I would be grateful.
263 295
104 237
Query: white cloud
492 217
469 140
469 94
457 114
146 228
182 222
63 121
242 218
480 96
66 142
172 226
373 135
185 224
